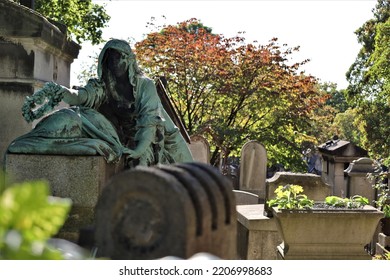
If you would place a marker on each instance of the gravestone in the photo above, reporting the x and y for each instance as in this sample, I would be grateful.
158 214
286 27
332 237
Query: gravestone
32 51
200 148
176 210
357 181
253 168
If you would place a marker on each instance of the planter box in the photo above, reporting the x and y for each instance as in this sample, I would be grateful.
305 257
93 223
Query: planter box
326 234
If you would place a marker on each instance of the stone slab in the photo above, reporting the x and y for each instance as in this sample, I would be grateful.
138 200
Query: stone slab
245 198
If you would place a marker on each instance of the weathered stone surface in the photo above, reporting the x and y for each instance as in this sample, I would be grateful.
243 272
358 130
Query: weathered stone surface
11 121
357 181
32 51
200 148
326 234
221 243
245 198
227 232
257 235
337 155
253 168
200 202
80 178
145 213
19 22
214 195
167 210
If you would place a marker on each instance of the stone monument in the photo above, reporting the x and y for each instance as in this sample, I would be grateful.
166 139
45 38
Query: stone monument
253 168
32 51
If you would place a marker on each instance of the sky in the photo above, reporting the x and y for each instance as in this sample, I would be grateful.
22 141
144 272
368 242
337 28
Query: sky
324 29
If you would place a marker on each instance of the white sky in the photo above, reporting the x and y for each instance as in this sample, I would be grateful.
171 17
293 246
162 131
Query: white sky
323 29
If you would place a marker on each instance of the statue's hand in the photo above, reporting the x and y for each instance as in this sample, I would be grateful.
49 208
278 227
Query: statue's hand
131 154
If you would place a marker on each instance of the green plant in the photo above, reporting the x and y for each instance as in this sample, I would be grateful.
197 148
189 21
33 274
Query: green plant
380 178
290 197
385 256
356 201
28 218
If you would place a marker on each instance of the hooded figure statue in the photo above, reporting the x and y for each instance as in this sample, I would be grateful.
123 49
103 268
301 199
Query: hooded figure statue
118 114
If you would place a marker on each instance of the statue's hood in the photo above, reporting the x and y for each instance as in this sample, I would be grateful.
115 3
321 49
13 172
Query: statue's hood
119 45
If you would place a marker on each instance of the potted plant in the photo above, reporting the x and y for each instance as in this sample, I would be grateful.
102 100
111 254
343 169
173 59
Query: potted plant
336 228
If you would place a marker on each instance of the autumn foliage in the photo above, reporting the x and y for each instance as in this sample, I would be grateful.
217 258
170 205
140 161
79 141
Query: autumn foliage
232 91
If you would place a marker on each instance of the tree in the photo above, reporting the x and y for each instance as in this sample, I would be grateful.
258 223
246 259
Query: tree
233 91
83 19
369 82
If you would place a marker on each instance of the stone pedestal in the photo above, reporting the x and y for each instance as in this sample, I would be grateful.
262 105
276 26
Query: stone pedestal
257 235
80 178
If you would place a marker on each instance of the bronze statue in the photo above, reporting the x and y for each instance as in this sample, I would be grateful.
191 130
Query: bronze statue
118 114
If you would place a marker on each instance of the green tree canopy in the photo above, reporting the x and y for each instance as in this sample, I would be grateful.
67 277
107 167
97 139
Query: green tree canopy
369 82
233 91
85 20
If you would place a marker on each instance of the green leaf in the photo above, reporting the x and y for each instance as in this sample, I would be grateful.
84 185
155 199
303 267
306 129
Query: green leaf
29 216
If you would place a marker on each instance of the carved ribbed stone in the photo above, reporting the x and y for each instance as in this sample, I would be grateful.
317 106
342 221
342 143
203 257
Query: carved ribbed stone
220 193
201 204
145 213
167 210
227 232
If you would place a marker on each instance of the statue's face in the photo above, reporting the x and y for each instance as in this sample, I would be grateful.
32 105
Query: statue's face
116 62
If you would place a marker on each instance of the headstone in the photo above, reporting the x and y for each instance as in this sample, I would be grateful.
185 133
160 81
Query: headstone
253 168
357 181
200 148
